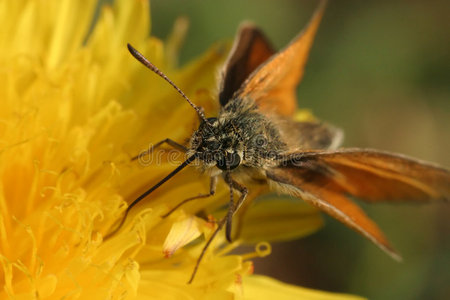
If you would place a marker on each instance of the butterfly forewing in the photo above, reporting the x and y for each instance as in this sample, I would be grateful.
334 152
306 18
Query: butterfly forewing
272 86
251 48
374 175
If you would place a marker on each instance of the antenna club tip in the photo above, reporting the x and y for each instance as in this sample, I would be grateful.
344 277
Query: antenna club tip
131 48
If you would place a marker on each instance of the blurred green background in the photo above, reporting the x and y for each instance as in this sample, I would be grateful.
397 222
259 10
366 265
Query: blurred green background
380 71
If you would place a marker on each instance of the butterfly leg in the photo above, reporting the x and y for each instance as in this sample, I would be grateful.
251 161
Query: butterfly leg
212 191
150 150
208 243
233 207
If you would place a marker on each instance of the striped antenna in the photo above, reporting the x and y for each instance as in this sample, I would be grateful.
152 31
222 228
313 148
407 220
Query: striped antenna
141 58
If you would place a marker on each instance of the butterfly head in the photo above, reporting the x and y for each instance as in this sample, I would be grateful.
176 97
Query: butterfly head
217 144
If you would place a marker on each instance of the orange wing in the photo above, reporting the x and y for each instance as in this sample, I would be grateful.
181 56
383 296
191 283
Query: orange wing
273 85
251 48
324 179
374 175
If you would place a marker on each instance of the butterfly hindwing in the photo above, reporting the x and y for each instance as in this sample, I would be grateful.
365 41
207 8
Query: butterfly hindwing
325 179
309 135
297 182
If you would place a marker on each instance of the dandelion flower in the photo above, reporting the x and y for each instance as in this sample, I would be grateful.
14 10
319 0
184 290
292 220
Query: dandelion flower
75 107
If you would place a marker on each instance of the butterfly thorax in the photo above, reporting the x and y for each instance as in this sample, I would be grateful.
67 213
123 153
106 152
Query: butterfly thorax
240 135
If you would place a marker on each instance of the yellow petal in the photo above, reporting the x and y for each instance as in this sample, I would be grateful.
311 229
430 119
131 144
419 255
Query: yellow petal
175 41
182 233
258 287
278 218
70 28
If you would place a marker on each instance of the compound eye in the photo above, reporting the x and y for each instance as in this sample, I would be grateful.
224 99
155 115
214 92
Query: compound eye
233 160
230 162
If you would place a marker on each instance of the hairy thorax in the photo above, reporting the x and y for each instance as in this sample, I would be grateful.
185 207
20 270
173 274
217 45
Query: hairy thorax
239 136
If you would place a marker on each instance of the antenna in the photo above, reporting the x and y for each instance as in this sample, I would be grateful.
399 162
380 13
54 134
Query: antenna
150 190
141 58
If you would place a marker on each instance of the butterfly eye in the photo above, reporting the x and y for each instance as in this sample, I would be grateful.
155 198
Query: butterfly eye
231 161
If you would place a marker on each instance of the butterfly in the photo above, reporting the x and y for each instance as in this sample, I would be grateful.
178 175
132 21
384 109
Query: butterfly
254 139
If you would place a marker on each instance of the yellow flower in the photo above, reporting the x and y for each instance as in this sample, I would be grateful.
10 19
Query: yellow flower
75 108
